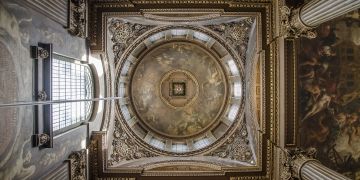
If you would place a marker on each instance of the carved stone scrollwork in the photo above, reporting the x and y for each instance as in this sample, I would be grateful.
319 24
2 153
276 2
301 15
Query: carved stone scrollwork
40 139
236 33
292 24
43 138
78 162
42 53
125 148
77 18
237 147
123 34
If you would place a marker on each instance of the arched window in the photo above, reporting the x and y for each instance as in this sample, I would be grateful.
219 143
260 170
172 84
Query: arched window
70 80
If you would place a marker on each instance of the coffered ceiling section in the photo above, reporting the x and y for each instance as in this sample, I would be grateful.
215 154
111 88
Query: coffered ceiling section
191 85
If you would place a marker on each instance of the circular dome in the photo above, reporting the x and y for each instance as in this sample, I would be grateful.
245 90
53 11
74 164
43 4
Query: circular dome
181 88
178 89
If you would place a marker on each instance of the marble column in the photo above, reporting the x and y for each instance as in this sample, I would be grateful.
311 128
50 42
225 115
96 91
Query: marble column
317 12
310 169
300 22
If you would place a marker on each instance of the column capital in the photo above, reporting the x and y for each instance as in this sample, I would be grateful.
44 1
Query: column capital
294 160
292 24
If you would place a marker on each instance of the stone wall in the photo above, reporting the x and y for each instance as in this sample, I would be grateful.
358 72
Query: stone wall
21 27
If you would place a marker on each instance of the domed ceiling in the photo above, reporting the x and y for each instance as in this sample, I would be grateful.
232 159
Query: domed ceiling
184 94
191 92
167 95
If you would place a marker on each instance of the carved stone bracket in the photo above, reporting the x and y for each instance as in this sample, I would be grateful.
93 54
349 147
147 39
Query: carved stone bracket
292 24
78 164
125 148
236 148
123 34
77 18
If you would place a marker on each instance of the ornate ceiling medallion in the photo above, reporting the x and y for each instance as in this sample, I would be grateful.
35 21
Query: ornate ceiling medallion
178 88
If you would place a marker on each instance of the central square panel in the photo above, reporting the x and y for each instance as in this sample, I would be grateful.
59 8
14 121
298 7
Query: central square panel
178 88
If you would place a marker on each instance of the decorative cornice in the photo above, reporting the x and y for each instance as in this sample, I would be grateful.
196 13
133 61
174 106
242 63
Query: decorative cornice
98 17
187 15
181 1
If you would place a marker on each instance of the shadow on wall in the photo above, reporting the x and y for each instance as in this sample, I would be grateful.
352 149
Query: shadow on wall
329 94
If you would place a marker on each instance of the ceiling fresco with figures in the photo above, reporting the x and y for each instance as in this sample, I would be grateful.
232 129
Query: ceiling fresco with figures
167 94
329 94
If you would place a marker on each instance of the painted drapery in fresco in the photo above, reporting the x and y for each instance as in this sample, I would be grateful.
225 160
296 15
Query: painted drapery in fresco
329 94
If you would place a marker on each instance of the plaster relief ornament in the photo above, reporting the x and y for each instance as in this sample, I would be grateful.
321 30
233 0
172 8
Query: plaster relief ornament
123 34
125 148
236 33
78 162
77 18
236 147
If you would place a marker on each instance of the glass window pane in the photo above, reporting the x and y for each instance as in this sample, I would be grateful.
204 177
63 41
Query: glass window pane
233 112
70 81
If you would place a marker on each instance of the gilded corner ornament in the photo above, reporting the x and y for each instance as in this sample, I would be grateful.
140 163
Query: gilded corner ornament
123 34
125 148
293 25
77 18
236 147
236 33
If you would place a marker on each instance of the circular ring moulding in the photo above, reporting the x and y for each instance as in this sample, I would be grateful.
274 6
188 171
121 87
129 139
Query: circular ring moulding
179 91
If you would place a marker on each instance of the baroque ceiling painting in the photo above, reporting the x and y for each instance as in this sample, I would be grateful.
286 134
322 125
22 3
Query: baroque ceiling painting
180 93
180 89
191 88
329 94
